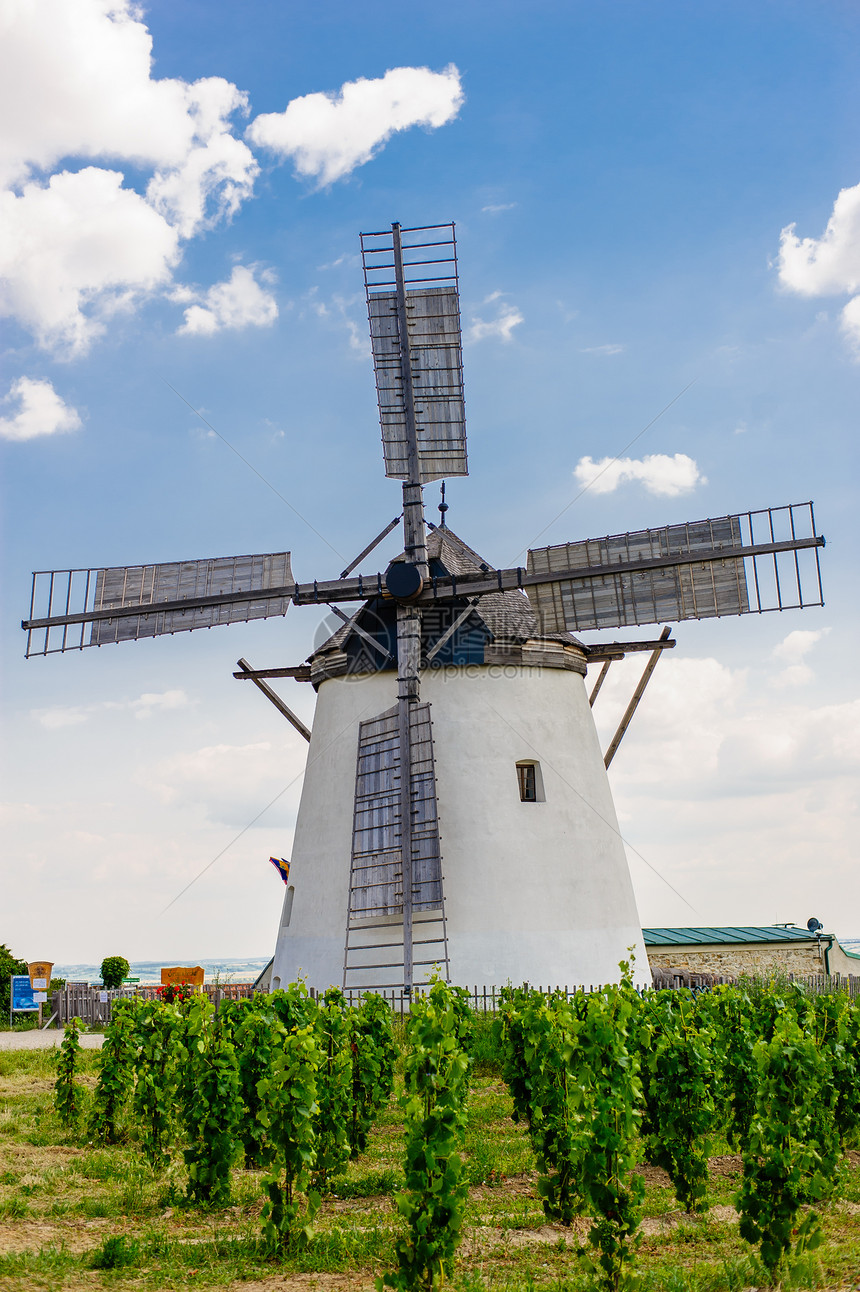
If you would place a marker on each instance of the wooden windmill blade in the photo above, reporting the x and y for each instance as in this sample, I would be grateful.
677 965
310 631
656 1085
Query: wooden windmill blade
386 897
413 309
727 565
429 387
72 609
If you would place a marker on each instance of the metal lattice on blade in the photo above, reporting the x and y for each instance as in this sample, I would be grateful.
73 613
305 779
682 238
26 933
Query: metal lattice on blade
434 345
79 595
647 596
713 583
376 887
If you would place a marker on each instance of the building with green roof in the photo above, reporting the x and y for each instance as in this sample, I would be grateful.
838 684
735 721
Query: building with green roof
751 949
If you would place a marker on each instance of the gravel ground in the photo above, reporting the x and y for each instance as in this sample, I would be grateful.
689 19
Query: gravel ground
46 1040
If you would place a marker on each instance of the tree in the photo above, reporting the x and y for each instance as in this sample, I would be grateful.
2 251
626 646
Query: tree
114 969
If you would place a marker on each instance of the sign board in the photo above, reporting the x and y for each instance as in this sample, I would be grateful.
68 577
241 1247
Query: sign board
103 997
40 997
179 974
126 982
40 974
22 998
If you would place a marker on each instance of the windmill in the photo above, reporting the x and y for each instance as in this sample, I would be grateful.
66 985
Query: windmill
451 706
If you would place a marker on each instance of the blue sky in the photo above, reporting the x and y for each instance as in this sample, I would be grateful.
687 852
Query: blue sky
621 177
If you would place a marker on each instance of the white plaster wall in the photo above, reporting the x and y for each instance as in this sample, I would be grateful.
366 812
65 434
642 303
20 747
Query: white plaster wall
536 892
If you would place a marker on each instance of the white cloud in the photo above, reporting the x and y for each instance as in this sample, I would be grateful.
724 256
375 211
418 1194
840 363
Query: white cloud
340 311
143 707
232 782
61 716
239 302
75 251
206 771
41 411
658 473
735 793
76 83
603 349
792 650
707 724
501 327
329 135
797 645
829 265
850 322
494 207
218 172
153 701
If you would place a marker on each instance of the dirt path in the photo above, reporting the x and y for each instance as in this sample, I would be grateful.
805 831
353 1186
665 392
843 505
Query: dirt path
47 1040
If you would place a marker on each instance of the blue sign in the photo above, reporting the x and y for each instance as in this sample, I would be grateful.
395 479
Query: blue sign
22 993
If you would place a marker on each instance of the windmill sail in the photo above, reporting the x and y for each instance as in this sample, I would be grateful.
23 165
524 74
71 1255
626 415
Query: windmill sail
378 887
71 609
728 565
433 350
375 943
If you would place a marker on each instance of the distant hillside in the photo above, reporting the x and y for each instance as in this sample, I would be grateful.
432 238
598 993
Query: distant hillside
228 970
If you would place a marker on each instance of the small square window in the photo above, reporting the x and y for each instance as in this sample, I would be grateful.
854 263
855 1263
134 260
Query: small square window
527 774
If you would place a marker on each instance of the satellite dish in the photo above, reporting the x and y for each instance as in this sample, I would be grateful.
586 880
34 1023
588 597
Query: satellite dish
813 924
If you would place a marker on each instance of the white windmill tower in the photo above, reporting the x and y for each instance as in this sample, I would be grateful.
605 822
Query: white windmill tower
456 809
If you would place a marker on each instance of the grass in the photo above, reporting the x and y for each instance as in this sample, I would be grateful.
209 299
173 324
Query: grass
75 1216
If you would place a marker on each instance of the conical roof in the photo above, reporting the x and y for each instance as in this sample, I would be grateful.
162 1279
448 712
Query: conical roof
508 615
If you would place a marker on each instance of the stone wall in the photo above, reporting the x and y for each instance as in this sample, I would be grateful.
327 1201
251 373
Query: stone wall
733 961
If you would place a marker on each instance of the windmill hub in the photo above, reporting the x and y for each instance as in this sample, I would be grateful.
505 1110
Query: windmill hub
403 580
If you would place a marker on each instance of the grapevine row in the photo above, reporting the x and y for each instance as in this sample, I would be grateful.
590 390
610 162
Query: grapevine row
601 1081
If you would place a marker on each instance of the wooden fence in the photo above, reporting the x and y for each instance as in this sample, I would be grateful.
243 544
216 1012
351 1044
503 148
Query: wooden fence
94 1006
486 999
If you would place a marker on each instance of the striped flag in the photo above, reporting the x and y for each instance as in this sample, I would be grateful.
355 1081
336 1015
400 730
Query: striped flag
282 866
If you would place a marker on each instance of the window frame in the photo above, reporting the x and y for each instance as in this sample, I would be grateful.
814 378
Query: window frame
533 782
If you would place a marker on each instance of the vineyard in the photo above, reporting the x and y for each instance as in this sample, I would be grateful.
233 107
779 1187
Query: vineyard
607 1139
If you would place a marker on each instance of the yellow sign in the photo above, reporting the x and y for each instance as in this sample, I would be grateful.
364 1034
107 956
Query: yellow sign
40 974
177 975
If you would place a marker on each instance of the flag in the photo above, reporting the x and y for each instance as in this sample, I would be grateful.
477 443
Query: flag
282 866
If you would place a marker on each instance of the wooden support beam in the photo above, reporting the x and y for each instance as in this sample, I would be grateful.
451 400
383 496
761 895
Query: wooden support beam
363 634
449 632
408 663
276 700
617 650
405 742
637 696
600 680
299 673
367 550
